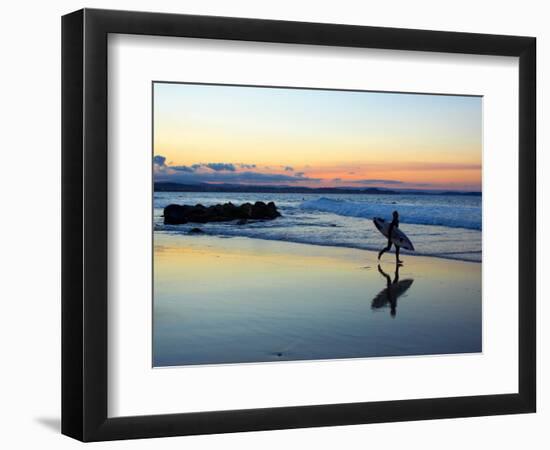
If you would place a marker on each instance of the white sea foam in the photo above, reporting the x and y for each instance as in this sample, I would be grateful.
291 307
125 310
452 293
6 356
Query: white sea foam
453 216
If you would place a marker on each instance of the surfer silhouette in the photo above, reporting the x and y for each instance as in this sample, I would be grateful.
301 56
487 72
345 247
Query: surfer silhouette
393 225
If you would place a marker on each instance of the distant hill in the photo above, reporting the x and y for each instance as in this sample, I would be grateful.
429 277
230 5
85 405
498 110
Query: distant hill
235 188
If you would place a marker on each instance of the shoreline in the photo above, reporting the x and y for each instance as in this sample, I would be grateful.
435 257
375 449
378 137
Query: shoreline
446 229
391 253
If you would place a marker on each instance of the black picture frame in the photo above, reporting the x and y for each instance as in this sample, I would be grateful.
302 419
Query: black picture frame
84 224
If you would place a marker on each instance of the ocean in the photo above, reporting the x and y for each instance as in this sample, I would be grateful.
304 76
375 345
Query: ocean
444 226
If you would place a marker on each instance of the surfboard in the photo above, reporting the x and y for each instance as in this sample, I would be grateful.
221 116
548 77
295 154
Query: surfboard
398 237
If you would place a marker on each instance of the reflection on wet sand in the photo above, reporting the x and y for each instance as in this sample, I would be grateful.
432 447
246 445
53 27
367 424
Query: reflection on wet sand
394 289
241 300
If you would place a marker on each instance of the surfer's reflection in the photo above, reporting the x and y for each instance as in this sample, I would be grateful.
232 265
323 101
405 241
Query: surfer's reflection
394 289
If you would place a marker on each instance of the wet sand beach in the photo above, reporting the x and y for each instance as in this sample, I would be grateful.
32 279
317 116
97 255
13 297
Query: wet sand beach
234 300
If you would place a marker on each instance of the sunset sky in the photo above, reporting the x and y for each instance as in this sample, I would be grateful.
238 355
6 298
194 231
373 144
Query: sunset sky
316 138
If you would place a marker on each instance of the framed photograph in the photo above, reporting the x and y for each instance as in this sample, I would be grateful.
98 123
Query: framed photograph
272 224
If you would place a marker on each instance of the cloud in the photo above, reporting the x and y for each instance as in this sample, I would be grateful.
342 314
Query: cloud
159 160
426 184
218 167
248 177
289 169
376 181
445 166
424 166
183 168
272 177
337 179
247 166
222 173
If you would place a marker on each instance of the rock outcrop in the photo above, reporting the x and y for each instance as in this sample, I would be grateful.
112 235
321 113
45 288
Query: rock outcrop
180 214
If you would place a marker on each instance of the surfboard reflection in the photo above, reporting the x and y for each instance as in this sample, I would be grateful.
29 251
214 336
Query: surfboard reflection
394 289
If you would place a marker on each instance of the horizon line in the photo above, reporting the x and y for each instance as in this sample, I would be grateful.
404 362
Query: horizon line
348 188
